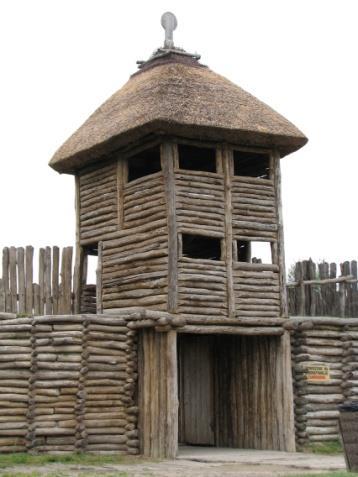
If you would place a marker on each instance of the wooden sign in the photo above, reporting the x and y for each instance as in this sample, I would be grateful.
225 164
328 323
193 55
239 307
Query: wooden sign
317 373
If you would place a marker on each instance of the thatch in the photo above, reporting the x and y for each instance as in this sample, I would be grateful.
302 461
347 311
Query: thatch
178 99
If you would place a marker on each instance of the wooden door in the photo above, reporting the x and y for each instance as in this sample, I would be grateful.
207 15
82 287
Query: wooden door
196 390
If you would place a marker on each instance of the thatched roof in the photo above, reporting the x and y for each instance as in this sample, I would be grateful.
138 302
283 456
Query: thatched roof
179 97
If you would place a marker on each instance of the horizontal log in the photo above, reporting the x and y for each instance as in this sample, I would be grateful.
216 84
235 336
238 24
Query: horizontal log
238 330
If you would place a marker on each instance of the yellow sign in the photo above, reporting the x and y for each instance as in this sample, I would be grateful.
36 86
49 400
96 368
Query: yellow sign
317 373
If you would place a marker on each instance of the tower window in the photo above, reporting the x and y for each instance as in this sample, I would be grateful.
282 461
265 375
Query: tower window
144 163
200 246
252 164
195 158
253 252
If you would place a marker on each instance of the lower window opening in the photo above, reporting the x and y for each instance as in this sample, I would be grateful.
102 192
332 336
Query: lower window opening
200 246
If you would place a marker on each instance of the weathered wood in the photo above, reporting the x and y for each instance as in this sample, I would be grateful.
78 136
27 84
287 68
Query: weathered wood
29 256
13 279
235 330
20 261
168 152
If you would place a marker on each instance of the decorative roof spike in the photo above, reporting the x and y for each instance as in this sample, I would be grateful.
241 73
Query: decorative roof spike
169 23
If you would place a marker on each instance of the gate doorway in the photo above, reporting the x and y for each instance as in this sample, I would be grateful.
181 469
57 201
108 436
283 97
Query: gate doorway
227 389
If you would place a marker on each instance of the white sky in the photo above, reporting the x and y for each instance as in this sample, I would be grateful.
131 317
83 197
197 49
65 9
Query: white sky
60 59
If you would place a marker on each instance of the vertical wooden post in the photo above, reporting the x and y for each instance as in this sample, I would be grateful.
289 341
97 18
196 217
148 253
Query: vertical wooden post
5 278
158 394
47 281
13 280
41 280
284 357
99 280
226 159
2 295
20 258
280 237
286 395
120 193
55 279
168 152
171 440
77 273
29 257
342 293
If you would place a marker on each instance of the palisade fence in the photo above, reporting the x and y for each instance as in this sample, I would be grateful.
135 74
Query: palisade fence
53 293
323 289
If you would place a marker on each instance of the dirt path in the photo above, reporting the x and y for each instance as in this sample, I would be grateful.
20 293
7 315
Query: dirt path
178 468
197 462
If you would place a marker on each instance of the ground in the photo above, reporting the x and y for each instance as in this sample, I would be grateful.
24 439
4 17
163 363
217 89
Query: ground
192 462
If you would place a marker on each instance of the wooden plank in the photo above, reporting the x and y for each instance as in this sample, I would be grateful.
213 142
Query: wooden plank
280 235
47 281
66 281
41 280
55 279
168 153
99 286
171 381
13 279
36 299
20 258
2 296
6 278
227 164
29 257
79 250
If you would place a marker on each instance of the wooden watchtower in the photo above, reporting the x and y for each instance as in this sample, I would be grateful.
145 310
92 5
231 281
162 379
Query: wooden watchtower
178 191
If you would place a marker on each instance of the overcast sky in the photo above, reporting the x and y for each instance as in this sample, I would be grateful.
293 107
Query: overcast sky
60 59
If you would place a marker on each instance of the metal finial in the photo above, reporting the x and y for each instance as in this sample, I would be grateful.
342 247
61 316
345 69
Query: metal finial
169 23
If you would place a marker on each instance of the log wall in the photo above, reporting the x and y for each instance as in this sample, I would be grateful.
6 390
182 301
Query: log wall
98 209
135 262
331 342
141 223
68 383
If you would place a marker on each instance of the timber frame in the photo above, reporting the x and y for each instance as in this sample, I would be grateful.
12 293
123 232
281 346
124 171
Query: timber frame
138 227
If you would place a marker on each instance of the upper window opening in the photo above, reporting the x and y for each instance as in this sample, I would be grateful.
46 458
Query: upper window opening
199 246
91 252
197 158
254 252
144 163
251 164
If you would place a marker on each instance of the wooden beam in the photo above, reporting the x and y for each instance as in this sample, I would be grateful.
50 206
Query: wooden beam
168 154
227 164
232 330
280 235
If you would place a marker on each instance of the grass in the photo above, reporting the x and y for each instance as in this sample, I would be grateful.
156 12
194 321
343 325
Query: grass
327 474
328 448
59 474
8 460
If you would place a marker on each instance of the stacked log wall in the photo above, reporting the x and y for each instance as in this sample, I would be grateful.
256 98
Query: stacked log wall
68 383
254 218
135 260
331 342
200 210
98 209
